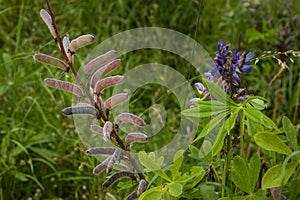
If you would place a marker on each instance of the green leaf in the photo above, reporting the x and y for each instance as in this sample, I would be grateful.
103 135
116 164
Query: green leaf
254 169
175 189
153 193
272 177
240 175
196 112
150 163
208 193
271 142
194 151
197 174
211 125
177 164
256 102
258 117
217 92
290 131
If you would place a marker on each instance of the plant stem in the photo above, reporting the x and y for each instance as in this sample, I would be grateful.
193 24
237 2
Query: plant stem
242 131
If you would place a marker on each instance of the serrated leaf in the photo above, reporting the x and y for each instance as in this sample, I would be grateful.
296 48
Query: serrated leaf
150 164
175 189
240 174
290 132
272 177
254 169
271 142
153 193
217 92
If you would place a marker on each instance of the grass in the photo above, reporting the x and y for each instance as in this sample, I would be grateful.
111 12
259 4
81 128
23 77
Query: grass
40 148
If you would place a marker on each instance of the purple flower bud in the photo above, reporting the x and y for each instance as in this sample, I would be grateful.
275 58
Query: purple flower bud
209 76
248 56
236 78
246 68
199 86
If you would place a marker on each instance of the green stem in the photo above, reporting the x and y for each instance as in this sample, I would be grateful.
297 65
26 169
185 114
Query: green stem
242 131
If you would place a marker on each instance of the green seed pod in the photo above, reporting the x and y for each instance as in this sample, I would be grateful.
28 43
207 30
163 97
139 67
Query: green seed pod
107 82
48 21
115 100
103 71
80 110
91 66
116 176
43 58
81 41
63 85
128 117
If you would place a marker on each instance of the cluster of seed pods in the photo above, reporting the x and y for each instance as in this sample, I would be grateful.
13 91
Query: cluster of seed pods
96 71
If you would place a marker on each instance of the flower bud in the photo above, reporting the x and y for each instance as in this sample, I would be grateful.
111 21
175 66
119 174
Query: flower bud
107 82
63 85
115 100
48 21
43 58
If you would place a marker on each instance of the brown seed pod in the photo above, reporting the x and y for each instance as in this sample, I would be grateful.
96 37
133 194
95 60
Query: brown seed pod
114 158
81 41
91 66
132 196
103 71
116 176
142 187
80 110
100 168
135 137
94 151
66 44
43 58
97 129
63 85
48 21
107 82
107 129
115 100
128 117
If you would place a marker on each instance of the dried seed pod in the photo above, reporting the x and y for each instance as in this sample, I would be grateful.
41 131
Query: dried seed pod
107 82
142 187
107 129
128 117
103 71
63 85
132 196
97 129
116 176
135 137
48 21
94 151
127 162
91 66
100 168
115 100
80 110
43 58
114 158
66 44
81 41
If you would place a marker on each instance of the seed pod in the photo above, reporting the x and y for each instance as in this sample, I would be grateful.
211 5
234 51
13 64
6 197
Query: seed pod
127 162
94 151
114 158
43 58
81 41
128 117
135 137
116 176
107 129
132 196
80 110
107 82
63 85
91 66
66 44
97 129
115 100
48 21
142 187
103 71
99 168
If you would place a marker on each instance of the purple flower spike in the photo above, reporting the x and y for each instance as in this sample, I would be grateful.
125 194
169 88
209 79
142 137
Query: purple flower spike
220 44
248 56
246 68
236 78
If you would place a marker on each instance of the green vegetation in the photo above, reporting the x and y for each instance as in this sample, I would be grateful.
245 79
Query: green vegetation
41 155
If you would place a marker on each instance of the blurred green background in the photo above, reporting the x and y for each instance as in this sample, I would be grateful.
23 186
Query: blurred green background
41 156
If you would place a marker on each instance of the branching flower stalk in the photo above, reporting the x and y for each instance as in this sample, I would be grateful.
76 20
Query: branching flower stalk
97 107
